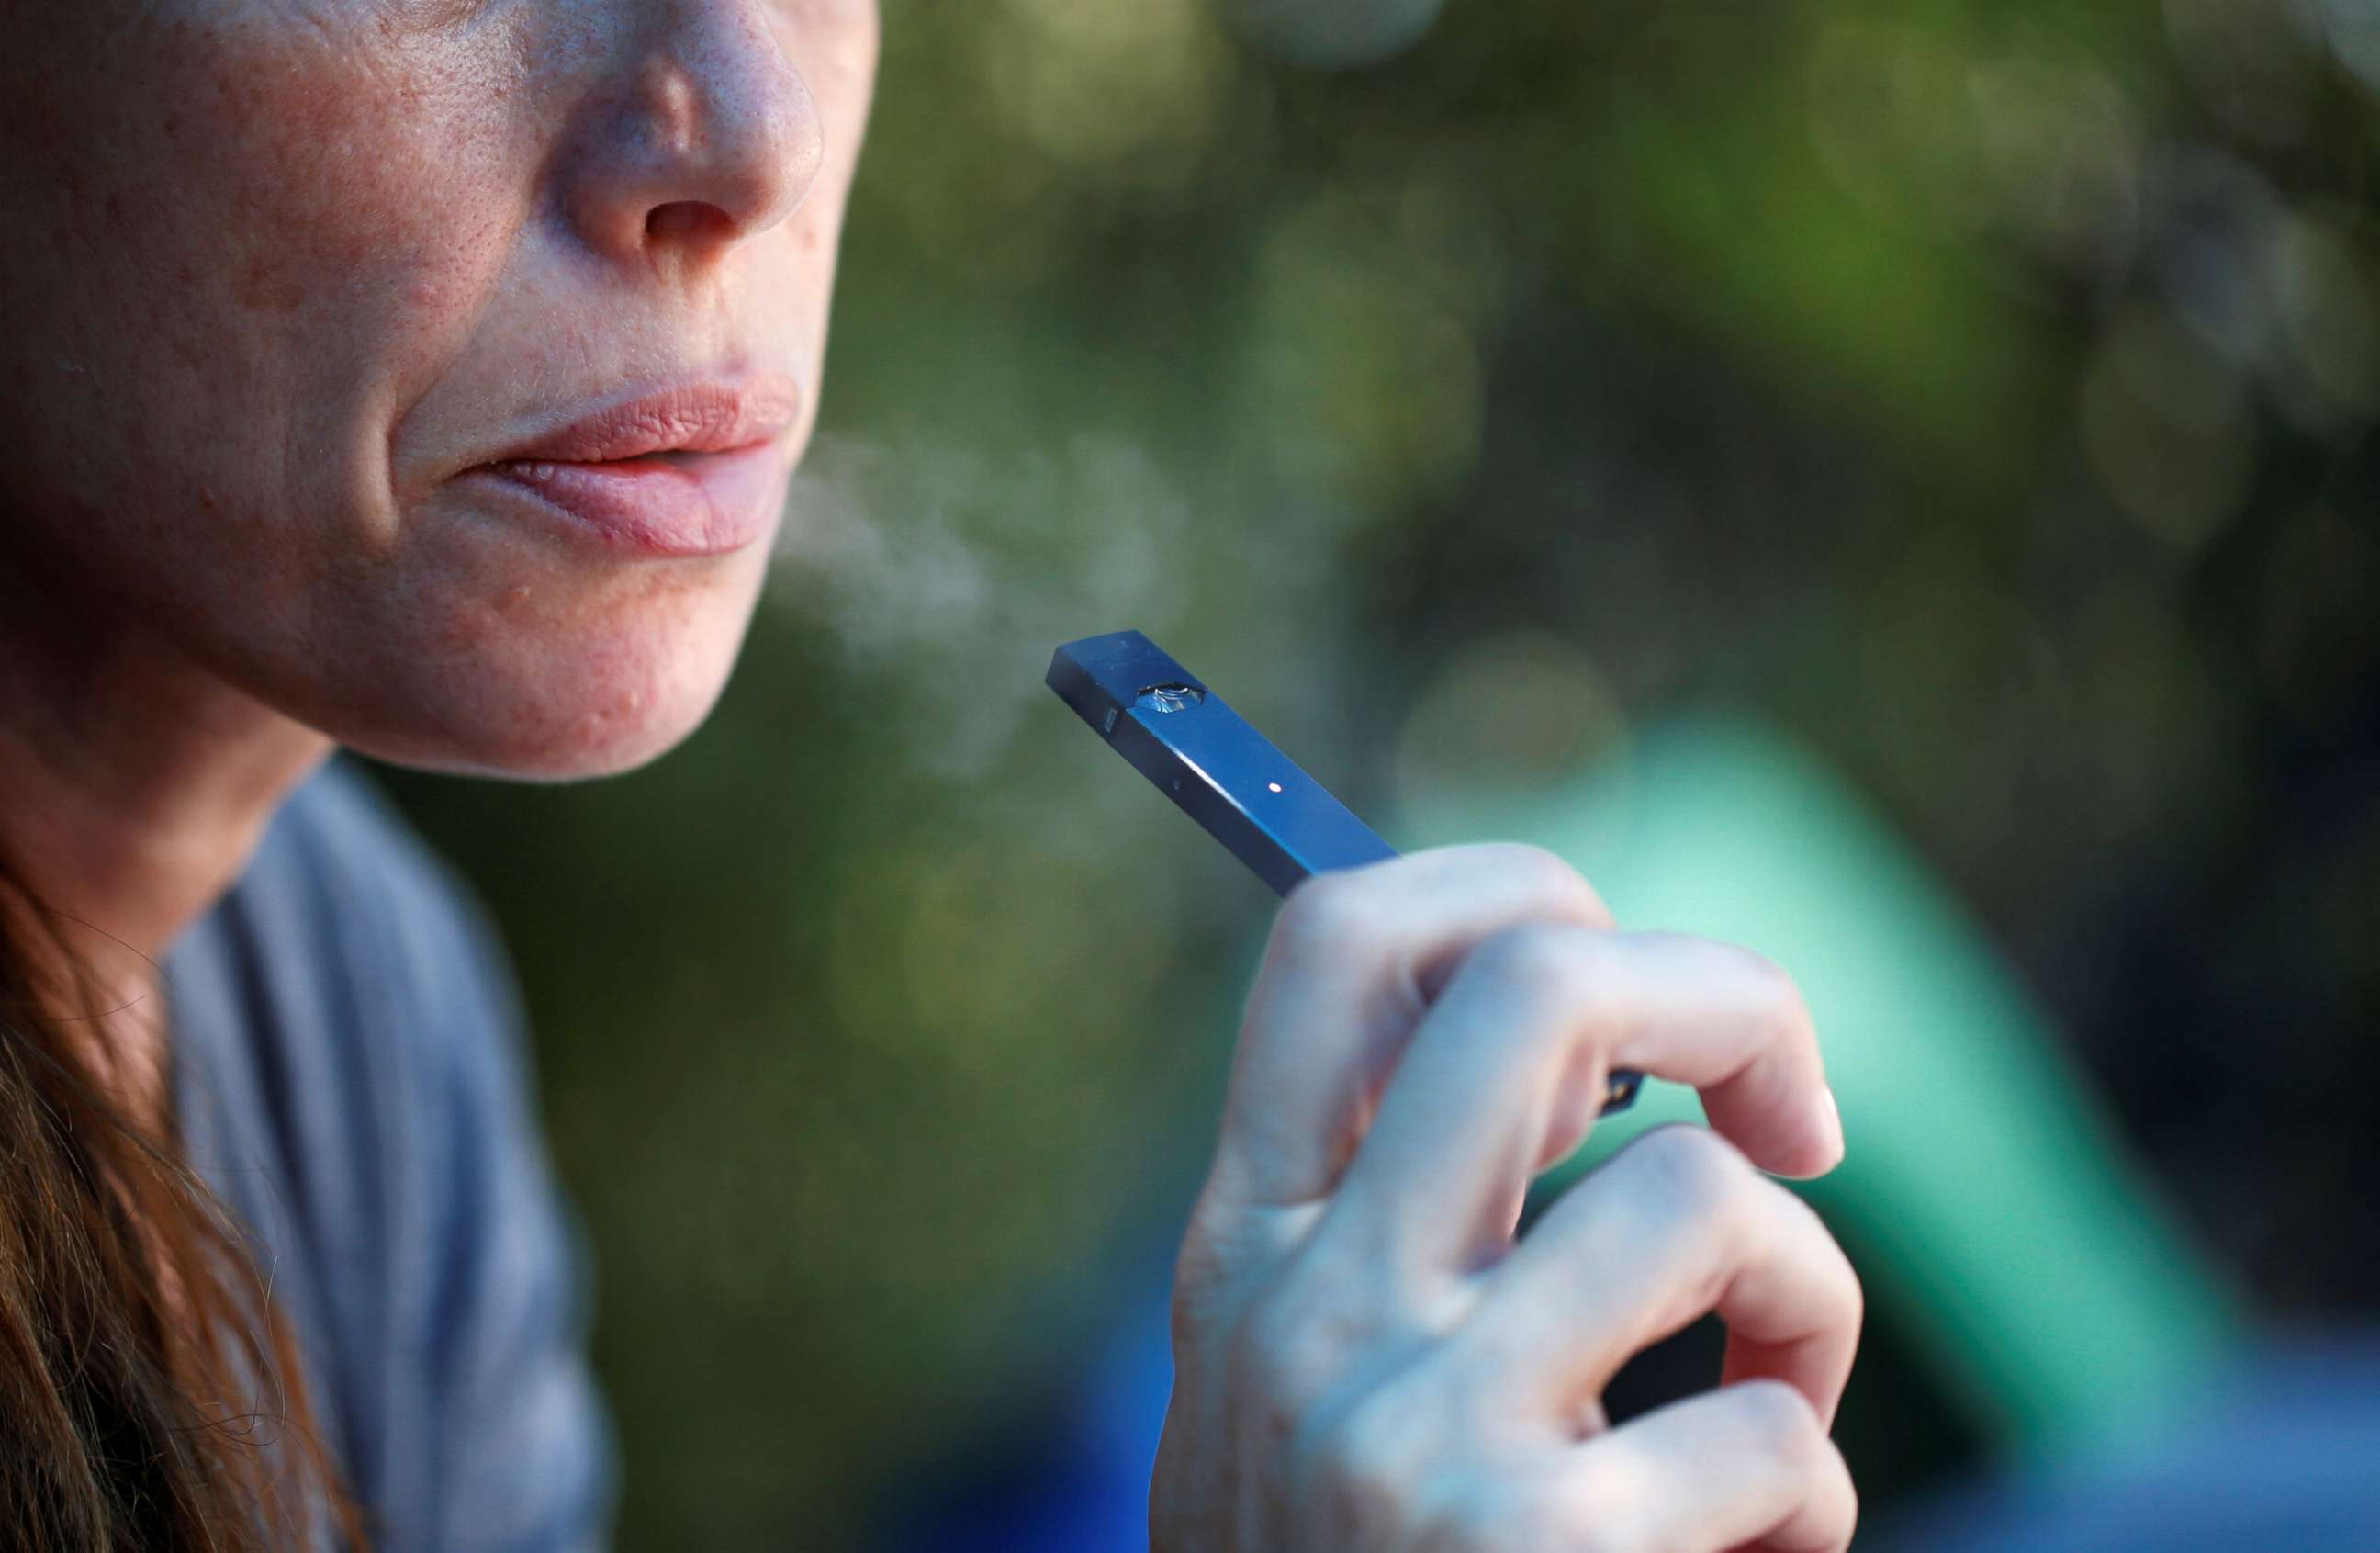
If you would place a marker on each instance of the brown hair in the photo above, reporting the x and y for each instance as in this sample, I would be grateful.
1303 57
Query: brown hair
144 1375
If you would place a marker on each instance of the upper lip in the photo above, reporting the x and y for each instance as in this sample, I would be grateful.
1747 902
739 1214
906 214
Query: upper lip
706 416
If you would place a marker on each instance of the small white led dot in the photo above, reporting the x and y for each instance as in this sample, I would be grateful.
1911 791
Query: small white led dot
1274 785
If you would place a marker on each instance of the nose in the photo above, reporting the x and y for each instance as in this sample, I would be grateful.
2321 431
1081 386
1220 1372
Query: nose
705 136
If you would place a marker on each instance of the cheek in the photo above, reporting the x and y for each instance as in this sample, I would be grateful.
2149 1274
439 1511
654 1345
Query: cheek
313 223
218 292
358 210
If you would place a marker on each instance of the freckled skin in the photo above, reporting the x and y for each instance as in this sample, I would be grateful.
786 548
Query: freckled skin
273 273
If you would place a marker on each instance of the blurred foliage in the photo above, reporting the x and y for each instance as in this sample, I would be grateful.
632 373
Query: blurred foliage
1981 392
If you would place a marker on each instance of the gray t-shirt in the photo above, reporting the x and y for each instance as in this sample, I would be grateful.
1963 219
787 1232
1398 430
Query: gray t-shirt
350 1079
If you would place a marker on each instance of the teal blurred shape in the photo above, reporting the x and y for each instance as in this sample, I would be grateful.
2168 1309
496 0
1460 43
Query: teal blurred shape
1332 35
1985 1191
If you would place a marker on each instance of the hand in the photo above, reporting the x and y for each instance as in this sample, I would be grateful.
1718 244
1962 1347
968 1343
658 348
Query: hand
1367 1358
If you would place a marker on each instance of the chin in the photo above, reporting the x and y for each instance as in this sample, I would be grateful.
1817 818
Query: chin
565 693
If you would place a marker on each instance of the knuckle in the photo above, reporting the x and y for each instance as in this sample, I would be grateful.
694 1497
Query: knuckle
1616 1532
1763 971
1297 1341
1780 999
1698 1172
1226 1260
1548 874
1367 1469
1541 959
1284 1356
1780 1423
1838 1278
1616 1478
1563 880
1330 910
1484 1511
1851 1295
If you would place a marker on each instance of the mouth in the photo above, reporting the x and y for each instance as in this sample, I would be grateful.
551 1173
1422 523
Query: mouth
695 471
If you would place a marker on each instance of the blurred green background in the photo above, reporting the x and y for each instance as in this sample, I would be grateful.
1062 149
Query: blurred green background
1979 393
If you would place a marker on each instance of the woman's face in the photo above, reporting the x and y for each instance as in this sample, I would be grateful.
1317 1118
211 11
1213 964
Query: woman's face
429 370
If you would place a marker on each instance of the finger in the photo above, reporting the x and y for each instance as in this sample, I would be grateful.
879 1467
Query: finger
1353 960
1675 1225
1502 1071
1746 1465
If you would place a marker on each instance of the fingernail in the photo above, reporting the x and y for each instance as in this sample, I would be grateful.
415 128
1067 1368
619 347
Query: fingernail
1834 1120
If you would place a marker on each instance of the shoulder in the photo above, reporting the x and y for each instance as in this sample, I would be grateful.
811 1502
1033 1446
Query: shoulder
379 989
359 1079
346 1020
488 1286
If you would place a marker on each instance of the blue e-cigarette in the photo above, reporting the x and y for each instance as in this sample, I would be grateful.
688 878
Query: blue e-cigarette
1222 772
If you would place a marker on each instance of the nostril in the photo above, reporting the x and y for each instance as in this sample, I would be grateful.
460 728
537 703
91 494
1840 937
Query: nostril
688 221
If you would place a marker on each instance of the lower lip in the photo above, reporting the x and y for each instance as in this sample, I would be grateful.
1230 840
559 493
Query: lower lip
692 504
